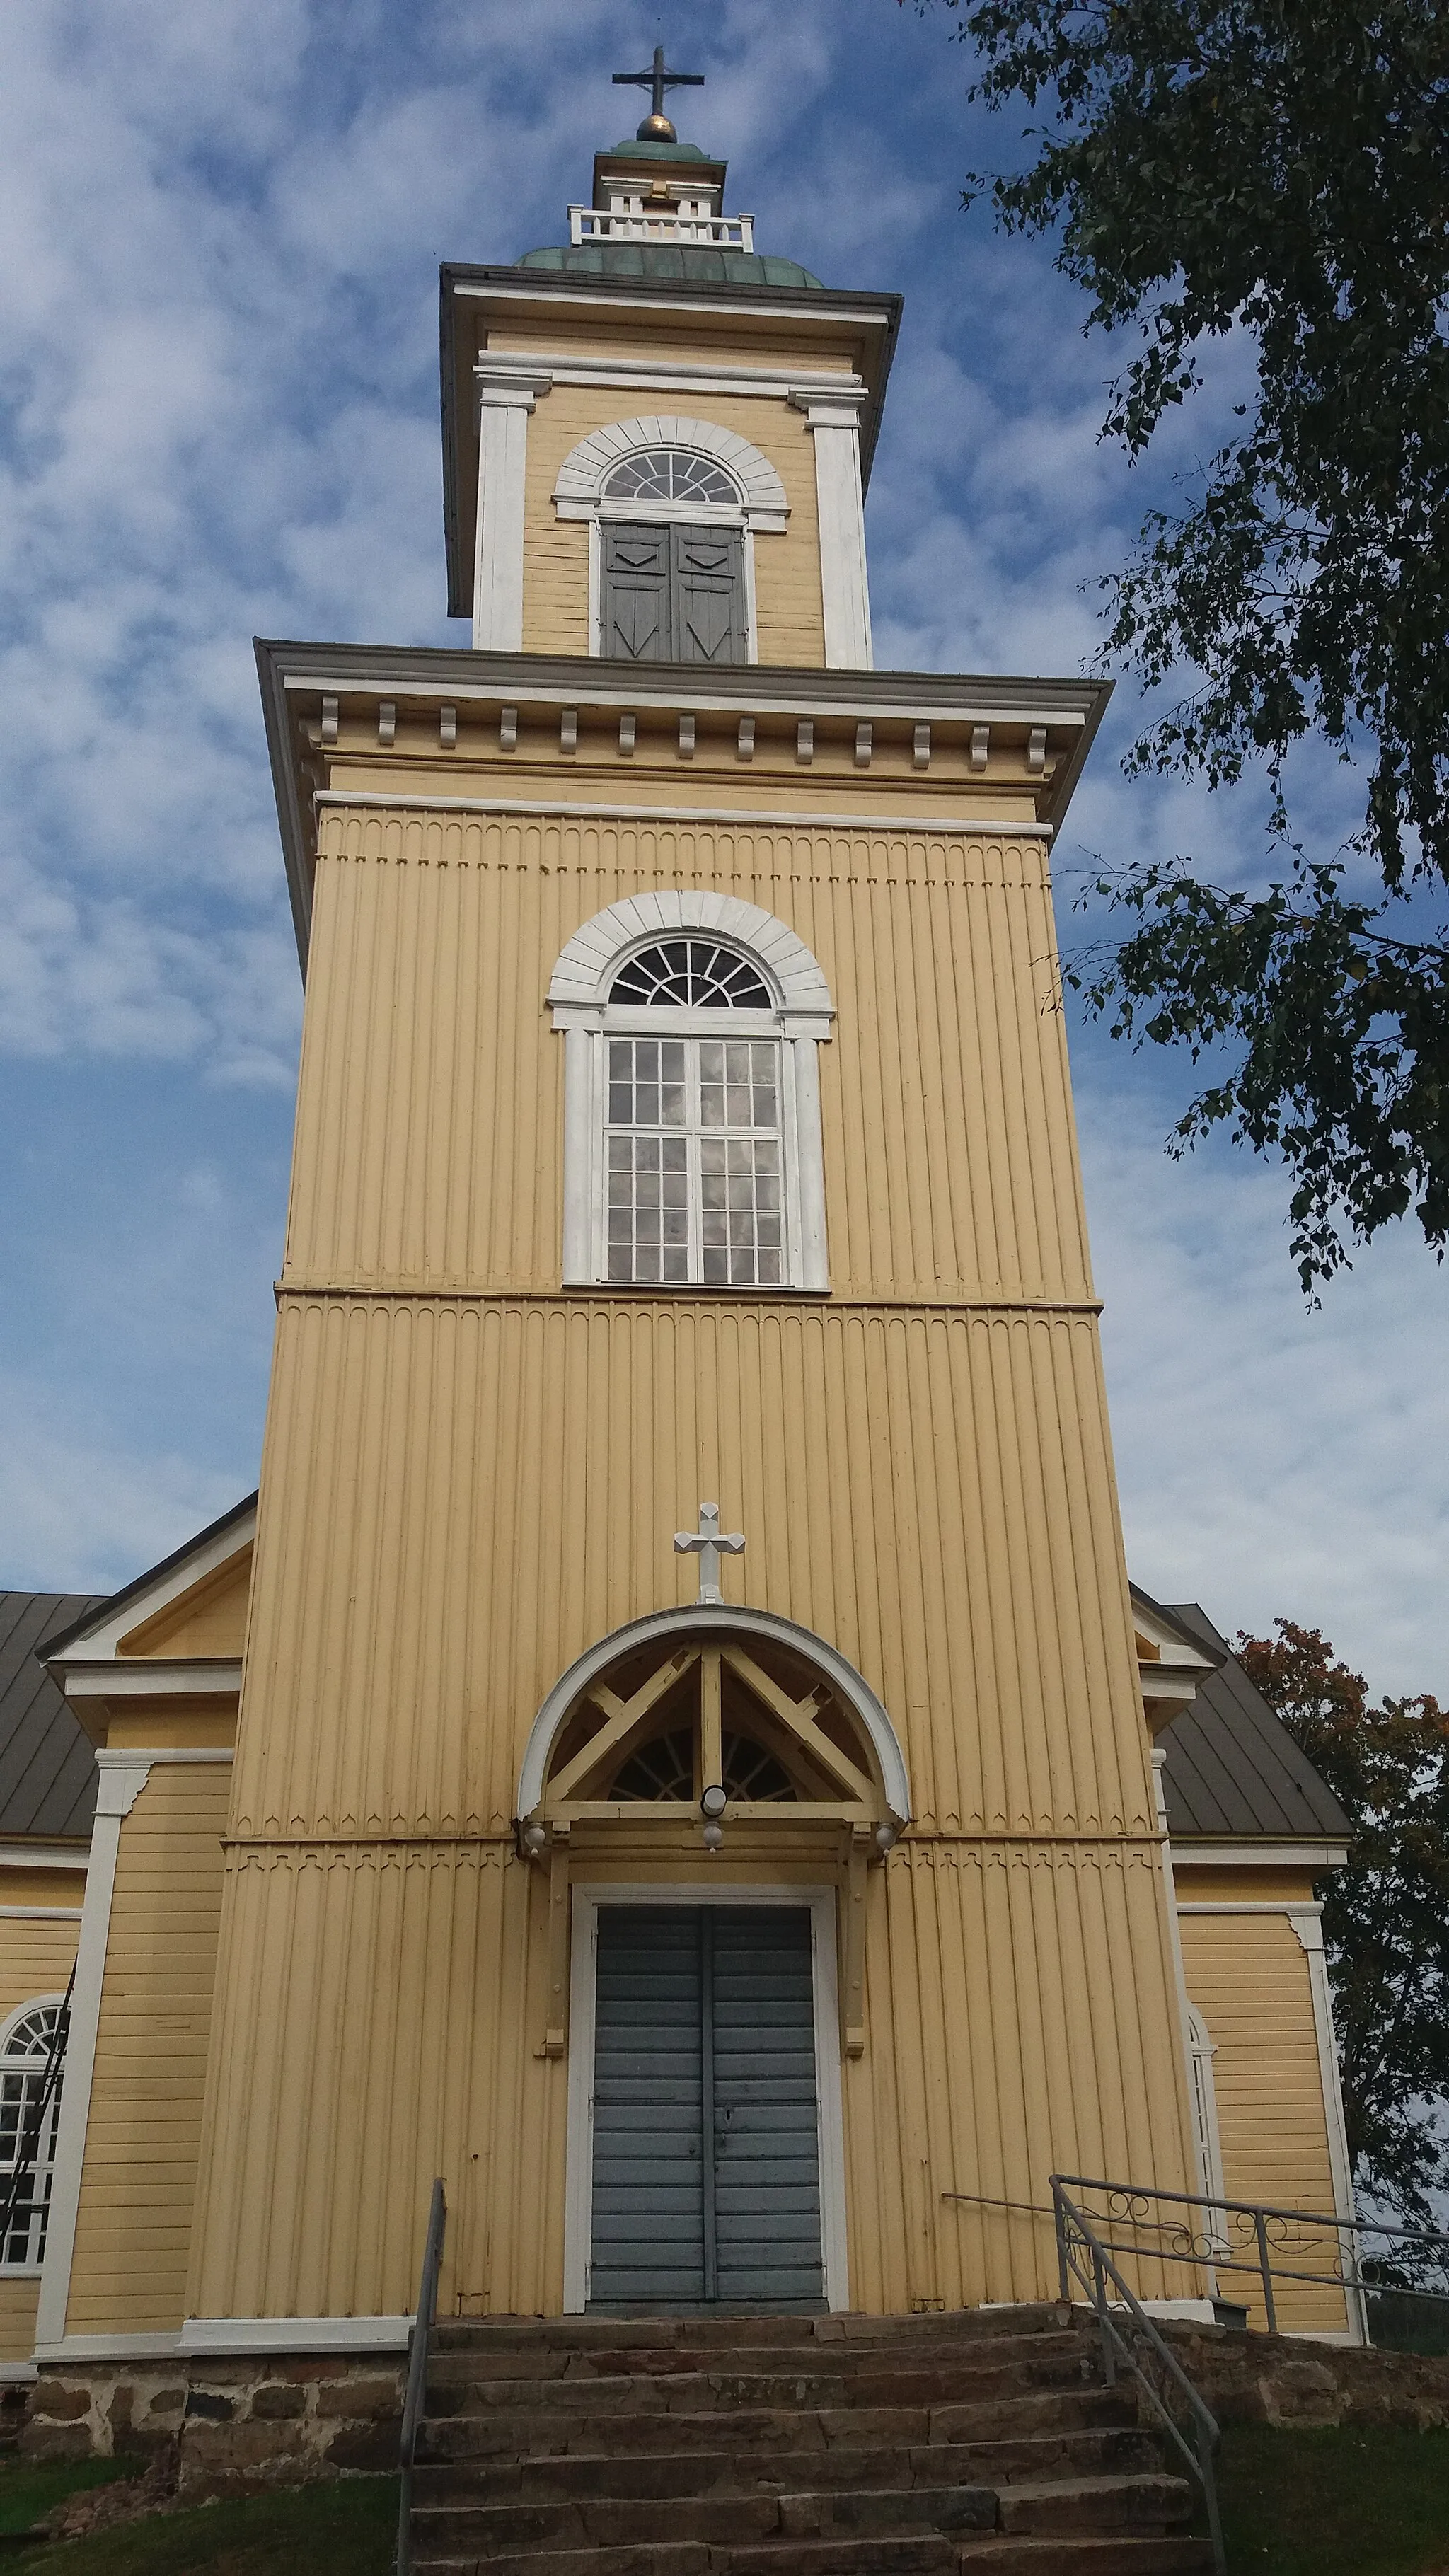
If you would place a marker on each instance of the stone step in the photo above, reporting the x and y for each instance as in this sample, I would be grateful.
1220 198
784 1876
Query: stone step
1057 2363
1148 2504
995 2555
1113 2450
1120 2555
548 2433
459 2357
570 2335
1153 2503
492 2531
928 2555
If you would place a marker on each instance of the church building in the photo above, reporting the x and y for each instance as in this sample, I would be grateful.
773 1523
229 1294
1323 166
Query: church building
672 1747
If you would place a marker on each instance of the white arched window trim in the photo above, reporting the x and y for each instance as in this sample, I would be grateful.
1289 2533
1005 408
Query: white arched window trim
1201 2053
31 2067
579 493
578 999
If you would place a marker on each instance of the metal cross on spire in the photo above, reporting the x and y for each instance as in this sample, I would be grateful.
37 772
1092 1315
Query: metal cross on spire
656 127
706 1545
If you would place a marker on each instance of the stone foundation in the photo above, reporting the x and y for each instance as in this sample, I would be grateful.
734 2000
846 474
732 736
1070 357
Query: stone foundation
249 2421
1284 2379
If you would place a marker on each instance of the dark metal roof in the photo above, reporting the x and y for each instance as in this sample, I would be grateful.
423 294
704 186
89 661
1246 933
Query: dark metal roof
699 264
47 1764
1233 1769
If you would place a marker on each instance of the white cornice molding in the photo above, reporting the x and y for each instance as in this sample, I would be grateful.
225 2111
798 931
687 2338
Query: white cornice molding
151 1677
1256 1855
45 1856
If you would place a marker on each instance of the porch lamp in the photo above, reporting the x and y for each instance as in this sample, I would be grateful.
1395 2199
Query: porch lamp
712 1806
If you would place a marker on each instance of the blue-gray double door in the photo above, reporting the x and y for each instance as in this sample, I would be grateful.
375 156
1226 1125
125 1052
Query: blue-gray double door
706 2171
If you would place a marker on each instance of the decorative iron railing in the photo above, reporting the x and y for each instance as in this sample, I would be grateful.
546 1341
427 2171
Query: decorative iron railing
1129 2335
418 2343
1264 2243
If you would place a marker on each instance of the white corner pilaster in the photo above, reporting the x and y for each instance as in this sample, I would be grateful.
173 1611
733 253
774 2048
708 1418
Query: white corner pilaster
124 1774
1174 1936
834 421
504 402
1307 1922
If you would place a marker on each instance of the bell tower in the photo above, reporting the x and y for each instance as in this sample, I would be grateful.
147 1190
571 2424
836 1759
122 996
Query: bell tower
744 456
684 1146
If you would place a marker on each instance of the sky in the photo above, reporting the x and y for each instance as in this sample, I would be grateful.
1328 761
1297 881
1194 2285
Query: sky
219 418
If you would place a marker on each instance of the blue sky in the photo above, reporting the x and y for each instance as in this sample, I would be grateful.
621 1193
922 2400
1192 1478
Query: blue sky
219 418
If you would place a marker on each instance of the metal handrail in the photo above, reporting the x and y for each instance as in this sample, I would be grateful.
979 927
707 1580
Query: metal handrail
1269 2226
418 2342
1075 2231
1209 2250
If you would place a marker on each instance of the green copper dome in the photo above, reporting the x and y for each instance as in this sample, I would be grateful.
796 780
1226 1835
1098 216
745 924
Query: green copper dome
692 262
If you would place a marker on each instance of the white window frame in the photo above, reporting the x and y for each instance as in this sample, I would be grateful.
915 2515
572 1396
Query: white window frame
578 999
44 2167
579 493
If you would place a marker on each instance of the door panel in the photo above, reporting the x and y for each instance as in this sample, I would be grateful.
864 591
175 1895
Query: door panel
706 2176
673 594
636 593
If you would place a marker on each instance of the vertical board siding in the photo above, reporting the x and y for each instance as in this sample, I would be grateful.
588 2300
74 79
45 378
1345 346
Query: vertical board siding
35 1959
138 2181
429 1124
460 1497
469 1477
366 2041
1248 1976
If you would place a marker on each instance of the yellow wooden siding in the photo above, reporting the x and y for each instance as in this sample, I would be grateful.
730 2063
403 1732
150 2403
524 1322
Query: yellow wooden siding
209 1619
35 1959
789 614
1248 1976
38 1887
429 1123
459 1497
469 1477
133 2228
368 2041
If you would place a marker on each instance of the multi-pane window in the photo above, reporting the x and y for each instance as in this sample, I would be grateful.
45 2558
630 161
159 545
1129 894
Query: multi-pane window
672 474
694 1162
29 2118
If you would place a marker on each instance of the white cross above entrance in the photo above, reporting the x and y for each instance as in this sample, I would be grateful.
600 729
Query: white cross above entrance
706 1545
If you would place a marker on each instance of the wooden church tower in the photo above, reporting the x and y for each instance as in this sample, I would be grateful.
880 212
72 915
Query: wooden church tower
692 1789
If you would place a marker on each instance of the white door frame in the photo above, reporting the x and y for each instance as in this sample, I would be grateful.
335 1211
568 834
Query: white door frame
579 2184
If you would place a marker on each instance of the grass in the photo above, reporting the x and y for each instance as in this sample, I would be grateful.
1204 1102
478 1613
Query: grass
28 2488
345 2529
1330 2502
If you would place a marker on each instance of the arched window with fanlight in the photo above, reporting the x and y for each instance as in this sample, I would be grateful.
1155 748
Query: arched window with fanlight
32 2054
692 1115
674 507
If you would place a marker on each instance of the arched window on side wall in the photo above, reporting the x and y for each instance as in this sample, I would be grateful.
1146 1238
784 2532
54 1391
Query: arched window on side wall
692 1121
31 2066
